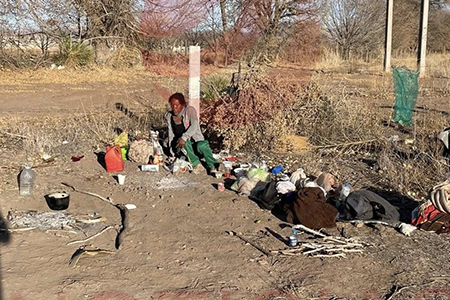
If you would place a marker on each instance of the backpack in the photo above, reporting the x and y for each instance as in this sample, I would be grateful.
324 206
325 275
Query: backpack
366 205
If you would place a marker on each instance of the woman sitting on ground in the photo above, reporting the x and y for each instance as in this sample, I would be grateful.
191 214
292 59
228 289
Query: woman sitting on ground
184 132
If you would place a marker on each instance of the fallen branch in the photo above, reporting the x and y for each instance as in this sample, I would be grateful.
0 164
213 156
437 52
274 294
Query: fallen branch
91 237
343 144
91 252
253 244
124 214
14 135
323 246
89 193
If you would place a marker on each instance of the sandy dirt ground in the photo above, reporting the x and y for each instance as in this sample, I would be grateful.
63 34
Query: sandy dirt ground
178 245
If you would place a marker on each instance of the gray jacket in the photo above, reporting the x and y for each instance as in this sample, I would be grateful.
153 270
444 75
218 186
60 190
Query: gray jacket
191 124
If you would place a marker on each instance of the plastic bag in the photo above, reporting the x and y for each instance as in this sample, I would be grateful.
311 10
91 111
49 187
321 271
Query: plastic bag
406 88
121 139
259 174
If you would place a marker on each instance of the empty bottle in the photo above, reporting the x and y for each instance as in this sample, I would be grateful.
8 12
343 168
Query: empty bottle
293 239
263 165
26 181
345 191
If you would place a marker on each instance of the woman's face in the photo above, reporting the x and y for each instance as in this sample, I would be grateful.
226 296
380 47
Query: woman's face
176 106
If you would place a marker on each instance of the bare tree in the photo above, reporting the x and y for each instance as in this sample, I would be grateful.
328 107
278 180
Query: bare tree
354 26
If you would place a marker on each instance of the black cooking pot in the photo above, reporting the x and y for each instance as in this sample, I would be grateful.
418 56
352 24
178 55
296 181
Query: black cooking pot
58 201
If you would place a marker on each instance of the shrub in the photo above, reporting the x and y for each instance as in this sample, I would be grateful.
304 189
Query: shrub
73 53
214 87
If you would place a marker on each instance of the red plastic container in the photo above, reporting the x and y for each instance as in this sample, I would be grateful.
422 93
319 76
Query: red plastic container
113 159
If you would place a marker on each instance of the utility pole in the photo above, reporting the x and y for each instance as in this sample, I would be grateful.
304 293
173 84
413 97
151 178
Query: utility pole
423 37
388 41
194 78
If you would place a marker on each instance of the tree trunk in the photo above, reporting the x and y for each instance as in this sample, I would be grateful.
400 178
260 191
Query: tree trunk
225 29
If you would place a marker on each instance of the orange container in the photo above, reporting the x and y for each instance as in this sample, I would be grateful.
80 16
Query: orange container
113 159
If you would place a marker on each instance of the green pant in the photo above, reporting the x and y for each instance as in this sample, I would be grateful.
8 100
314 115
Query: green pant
202 148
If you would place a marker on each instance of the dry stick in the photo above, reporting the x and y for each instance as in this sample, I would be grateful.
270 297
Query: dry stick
253 244
343 144
89 193
91 237
14 135
124 213
334 239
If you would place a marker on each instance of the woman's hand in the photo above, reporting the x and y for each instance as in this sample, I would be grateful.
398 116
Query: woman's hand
181 143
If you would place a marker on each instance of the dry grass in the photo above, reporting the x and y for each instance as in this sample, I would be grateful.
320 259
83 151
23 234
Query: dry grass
71 76
437 64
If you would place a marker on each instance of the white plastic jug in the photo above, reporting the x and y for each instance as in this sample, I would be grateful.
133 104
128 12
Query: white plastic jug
26 181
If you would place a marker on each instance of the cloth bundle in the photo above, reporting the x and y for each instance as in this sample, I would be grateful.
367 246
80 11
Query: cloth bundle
311 209
440 196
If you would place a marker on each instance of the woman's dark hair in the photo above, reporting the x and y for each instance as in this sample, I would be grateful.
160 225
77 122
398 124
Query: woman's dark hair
179 97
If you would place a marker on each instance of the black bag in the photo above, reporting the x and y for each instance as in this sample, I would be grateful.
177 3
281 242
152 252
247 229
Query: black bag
267 198
366 205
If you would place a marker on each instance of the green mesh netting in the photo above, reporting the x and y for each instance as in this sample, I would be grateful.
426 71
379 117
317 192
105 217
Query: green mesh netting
406 88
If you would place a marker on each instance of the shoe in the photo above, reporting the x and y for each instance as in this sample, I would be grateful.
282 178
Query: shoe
198 169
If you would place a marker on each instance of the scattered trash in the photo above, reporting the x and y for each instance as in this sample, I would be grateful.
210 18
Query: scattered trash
327 181
150 168
345 191
444 136
406 229
77 158
158 153
121 140
406 88
65 142
26 181
130 206
227 173
113 159
239 172
218 175
228 164
258 221
220 187
121 179
245 186
259 174
245 167
297 176
293 239
284 187
277 170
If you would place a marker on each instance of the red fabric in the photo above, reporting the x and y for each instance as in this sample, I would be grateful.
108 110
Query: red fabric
427 214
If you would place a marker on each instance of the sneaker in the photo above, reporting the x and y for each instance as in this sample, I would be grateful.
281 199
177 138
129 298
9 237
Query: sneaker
198 169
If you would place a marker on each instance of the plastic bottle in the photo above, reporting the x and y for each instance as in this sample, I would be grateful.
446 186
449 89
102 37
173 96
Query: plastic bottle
263 165
26 181
293 239
158 153
345 191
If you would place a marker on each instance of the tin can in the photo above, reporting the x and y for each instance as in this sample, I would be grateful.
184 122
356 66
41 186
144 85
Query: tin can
293 241
221 187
